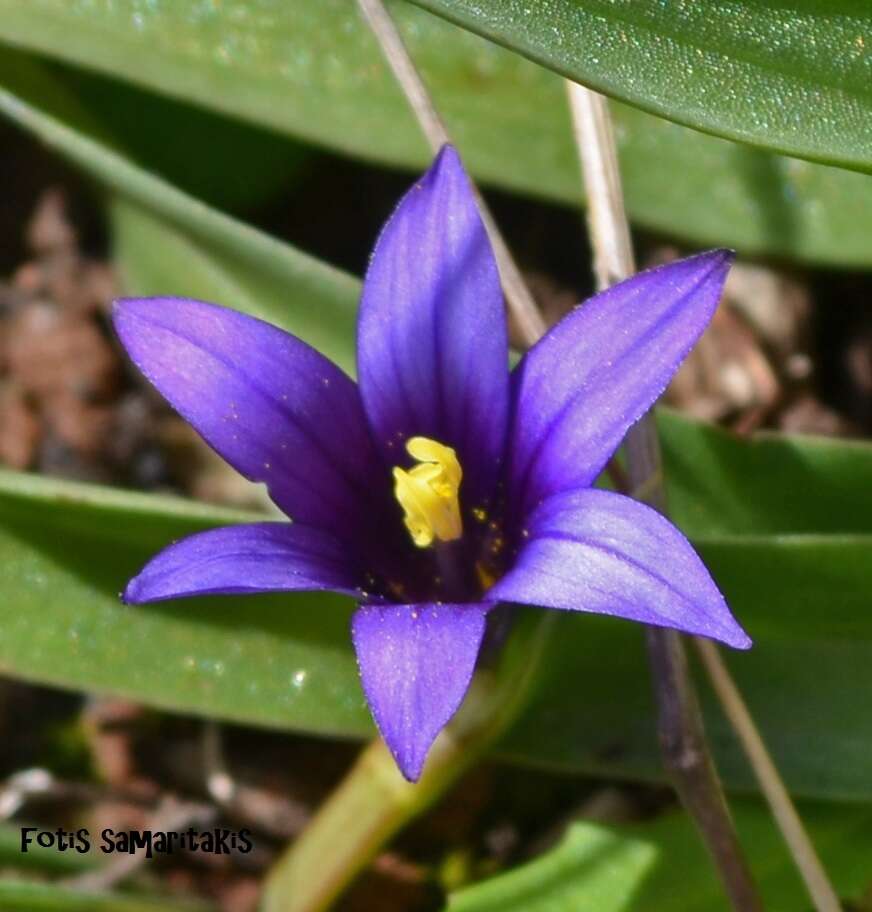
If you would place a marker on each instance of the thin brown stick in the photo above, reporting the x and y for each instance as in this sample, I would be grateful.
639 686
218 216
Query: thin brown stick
810 868
682 736
613 259
35 785
520 301
614 255
687 757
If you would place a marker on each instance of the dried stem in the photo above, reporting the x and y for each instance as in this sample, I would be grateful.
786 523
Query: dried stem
609 230
819 887
614 261
682 736
686 755
518 296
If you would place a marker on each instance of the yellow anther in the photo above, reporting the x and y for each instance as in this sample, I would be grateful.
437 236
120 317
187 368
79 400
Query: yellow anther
428 493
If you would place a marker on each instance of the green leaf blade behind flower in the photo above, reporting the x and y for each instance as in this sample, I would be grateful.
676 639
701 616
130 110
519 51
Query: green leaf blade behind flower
591 867
313 72
768 482
66 551
804 602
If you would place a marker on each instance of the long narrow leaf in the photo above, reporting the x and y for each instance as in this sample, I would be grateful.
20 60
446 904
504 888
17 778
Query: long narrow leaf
311 70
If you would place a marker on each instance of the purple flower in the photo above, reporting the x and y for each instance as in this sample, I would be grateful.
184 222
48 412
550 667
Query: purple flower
440 484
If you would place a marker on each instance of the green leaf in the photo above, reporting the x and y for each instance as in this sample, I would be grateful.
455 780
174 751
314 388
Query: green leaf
662 865
24 896
65 552
260 275
313 71
804 601
789 77
783 523
223 161
767 483
593 867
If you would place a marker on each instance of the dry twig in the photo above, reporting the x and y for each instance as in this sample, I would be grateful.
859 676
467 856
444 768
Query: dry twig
810 868
384 28
682 736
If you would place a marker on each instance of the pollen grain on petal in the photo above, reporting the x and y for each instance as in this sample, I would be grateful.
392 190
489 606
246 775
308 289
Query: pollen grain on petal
486 576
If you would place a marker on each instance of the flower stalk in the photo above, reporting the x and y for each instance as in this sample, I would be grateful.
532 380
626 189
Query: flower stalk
374 801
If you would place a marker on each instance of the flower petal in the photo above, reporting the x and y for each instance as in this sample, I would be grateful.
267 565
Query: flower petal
592 550
272 406
578 391
432 344
262 557
416 662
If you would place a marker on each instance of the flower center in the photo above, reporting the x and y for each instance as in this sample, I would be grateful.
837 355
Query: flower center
428 493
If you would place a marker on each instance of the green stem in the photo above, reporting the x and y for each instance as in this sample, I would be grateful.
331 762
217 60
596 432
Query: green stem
374 802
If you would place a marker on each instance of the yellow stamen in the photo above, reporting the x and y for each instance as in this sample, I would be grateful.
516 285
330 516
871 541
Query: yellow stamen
428 493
